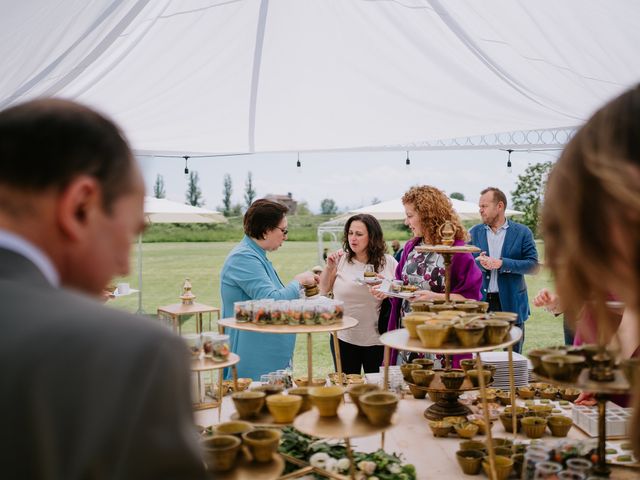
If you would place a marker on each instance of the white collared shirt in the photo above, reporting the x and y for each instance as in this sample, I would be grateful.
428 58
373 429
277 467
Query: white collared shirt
17 244
495 242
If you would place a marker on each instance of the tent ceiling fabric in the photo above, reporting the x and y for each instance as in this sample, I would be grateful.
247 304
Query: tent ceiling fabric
244 76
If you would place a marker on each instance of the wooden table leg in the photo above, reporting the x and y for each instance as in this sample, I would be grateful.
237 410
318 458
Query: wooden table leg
309 359
198 322
200 394
234 374
352 467
385 381
336 349
485 408
512 389
220 375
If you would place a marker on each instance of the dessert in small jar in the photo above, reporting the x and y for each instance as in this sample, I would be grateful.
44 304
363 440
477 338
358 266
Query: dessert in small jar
194 343
216 346
242 311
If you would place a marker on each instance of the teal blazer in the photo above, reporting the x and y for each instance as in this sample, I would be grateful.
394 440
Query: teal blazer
247 274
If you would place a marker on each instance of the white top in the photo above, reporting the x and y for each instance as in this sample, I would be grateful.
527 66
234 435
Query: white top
17 244
358 302
495 242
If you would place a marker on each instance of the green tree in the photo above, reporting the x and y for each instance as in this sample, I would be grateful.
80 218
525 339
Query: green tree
158 187
457 196
236 210
194 194
529 193
249 191
303 208
226 195
328 207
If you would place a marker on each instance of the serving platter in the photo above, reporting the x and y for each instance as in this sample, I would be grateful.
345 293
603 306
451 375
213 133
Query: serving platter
400 340
347 424
246 469
344 324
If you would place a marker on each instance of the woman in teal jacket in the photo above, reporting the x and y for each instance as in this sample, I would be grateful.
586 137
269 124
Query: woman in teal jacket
247 274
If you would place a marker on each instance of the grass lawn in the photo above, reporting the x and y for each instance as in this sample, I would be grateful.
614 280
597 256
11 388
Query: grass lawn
166 265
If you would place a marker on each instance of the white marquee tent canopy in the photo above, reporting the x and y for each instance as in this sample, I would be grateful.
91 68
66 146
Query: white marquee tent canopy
394 210
161 210
219 77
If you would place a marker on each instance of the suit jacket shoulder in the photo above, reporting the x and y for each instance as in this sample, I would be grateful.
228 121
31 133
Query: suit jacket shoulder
91 390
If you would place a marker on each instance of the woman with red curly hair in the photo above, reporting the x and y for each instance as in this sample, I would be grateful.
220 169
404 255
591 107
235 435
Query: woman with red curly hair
427 209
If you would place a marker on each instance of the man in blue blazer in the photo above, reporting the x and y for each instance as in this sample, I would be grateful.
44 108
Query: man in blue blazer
508 252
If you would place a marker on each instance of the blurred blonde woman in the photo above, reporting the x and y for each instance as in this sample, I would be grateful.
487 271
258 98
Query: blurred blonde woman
591 216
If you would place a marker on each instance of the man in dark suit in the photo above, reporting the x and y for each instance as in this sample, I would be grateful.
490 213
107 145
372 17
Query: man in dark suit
508 252
87 392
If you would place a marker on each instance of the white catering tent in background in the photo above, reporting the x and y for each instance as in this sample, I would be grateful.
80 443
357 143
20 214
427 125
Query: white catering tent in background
161 210
394 210
218 77
389 210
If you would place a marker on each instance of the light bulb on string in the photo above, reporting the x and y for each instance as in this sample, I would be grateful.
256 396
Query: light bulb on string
186 164
408 160
298 164
509 170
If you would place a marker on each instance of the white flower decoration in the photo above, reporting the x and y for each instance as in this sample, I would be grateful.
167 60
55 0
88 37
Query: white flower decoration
367 467
319 460
394 468
344 464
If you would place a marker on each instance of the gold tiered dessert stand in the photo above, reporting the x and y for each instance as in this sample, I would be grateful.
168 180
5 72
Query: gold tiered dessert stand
347 424
399 339
334 328
449 405
604 380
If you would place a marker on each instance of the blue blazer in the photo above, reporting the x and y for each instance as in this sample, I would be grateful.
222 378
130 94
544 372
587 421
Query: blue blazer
519 257
247 274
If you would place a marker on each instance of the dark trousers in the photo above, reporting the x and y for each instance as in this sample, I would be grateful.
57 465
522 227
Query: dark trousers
569 334
496 306
355 358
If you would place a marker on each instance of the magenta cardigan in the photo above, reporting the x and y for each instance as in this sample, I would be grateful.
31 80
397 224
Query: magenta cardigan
466 280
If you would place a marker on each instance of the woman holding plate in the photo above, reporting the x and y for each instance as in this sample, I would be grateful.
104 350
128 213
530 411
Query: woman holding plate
344 275
427 209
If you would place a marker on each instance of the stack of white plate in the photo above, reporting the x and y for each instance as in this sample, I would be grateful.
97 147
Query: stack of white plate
500 360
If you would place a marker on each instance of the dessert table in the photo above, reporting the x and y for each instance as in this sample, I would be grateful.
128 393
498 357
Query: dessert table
410 436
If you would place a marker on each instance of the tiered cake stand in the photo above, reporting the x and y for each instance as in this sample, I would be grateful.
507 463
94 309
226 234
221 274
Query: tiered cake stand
347 424
334 328
603 390
399 339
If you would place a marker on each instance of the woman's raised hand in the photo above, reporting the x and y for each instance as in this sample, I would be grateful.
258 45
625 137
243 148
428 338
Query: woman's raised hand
334 258
307 278
375 291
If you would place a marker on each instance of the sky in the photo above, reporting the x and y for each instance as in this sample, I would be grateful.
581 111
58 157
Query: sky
351 179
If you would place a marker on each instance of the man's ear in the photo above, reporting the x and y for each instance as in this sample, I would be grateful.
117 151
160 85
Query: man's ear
77 205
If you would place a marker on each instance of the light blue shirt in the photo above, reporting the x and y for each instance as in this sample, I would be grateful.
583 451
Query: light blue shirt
17 244
247 274
495 242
